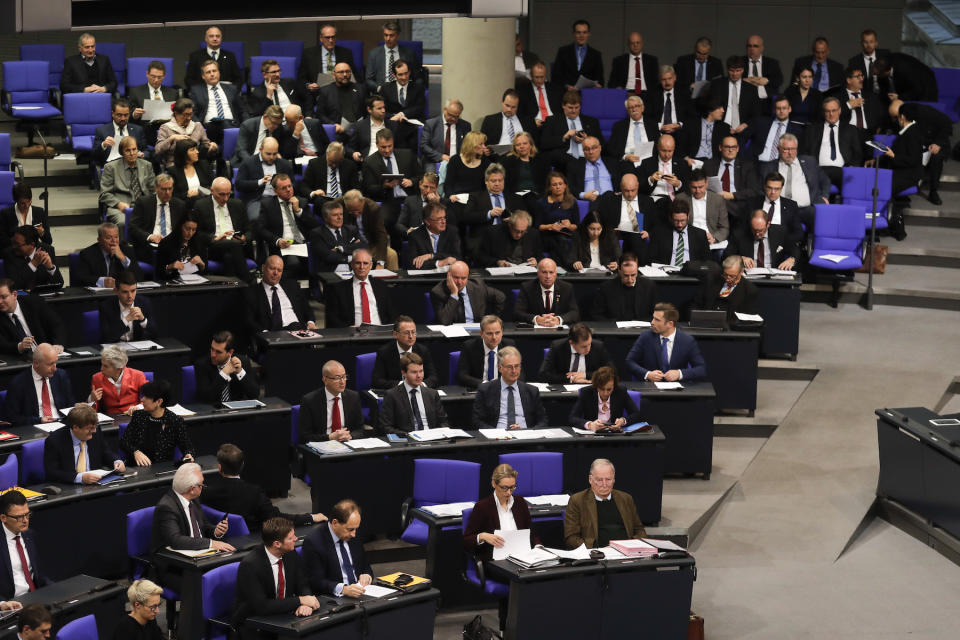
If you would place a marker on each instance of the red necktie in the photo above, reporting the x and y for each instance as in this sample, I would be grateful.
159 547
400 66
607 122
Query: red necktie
542 101
760 260
364 303
638 74
725 178
335 424
446 140
24 565
859 112
770 211
45 398
546 307
281 587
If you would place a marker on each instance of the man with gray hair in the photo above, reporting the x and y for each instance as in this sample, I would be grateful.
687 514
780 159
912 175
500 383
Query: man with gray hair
224 225
804 182
507 402
100 263
155 216
87 72
306 136
735 295
443 134
328 177
35 394
514 243
597 515
124 181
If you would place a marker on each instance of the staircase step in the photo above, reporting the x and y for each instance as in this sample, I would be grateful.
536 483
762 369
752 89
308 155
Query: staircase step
932 217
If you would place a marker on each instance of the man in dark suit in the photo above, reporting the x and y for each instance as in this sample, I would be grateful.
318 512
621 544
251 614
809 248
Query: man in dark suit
411 406
99 264
905 157
380 60
107 137
698 66
411 213
285 221
228 492
546 301
224 225
30 263
539 99
632 214
663 175
404 98
630 296
762 71
15 515
443 134
217 105
230 67
578 59
21 213
702 135
87 72
635 71
592 175
342 92
256 173
457 298
253 131
359 300
155 216
328 176
153 89
500 128
574 359
386 368
827 73
629 135
333 411
739 182
42 380
496 404
26 321
334 242
75 452
390 161
478 356
809 186
779 209
492 206
563 134
225 375
271 579
512 243
432 244
708 211
903 77
334 558
322 59
859 106
275 90
123 319
277 303
935 128
833 143
739 97
669 104
866 58
683 243
734 294
665 352
766 131
362 140
762 244
303 136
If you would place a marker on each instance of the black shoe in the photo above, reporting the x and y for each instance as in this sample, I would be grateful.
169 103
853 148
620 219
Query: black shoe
934 198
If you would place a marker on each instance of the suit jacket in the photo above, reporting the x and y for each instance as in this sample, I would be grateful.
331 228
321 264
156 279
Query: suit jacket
271 221
396 415
563 302
416 105
21 406
291 145
434 134
745 179
479 205
248 500
76 77
324 246
338 302
258 307
580 518
742 299
311 64
377 62
7 589
609 205
717 221
623 131
749 98
60 464
230 67
470 364
492 126
105 131
907 164
486 519
250 174
620 71
247 138
140 93
683 105
651 165
112 327
644 356
834 70
760 131
312 422
857 63
448 245
847 139
741 244
577 174
484 300
693 130
91 266
617 302
321 561
115 185
556 364
530 104
9 223
374 167
874 113
210 383
771 71
198 93
26 278
912 79
169 251
586 408
486 405
207 226
315 177
171 528
565 70
144 217
817 182
540 165
935 126
257 100
386 368
498 245
661 245
256 593
686 69
554 128
360 139
180 186
328 103
44 324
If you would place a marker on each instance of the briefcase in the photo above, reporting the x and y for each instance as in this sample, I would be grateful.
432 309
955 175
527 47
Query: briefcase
880 252
475 630
695 628
36 151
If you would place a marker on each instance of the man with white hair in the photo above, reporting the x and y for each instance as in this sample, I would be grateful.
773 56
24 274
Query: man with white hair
178 520
597 515
224 224
306 136
35 394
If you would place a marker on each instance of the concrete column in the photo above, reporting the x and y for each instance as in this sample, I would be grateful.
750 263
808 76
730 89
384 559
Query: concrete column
477 63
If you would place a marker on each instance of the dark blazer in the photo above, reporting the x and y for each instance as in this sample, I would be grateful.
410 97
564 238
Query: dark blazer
338 302
484 300
386 368
76 76
693 129
556 364
435 132
360 140
7 589
91 266
817 182
749 98
374 167
198 93
834 70
479 205
448 245
315 177
138 94
9 223
609 205
247 138
554 128
809 109
935 126
321 561
416 105
250 174
290 146
743 298
498 245
563 302
857 62
586 407
328 103
257 100
26 278
623 131
644 356
565 65
470 364
311 64
577 170
246 499
486 519
230 67
617 302
324 246
171 528
143 218
208 222
376 63
168 252
741 244
912 79
683 105
661 245
44 324
771 71
256 594
761 130
651 165
873 110
396 415
312 422
686 69
745 179
111 327
105 131
210 383
258 307
486 405
180 186
271 221
59 462
540 166
907 164
492 126
847 138
620 71
530 105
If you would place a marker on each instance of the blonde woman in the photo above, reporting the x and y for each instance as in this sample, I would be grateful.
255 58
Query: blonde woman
141 624
465 171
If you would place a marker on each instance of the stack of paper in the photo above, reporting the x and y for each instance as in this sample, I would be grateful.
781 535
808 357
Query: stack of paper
193 278
329 446
101 417
299 250
383 273
559 499
376 591
716 246
449 510
428 272
632 324
554 432
668 385
582 432
574 387
181 411
148 284
194 553
367 443
652 272
635 548
542 387
514 542
749 317
527 434
534 558
496 434
663 545
438 434
580 553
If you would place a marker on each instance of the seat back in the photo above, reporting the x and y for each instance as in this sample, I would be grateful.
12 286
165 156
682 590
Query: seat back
541 472
83 113
27 81
452 368
53 54
236 47
838 227
188 383
137 71
883 138
84 628
236 525
583 208
7 179
288 68
139 529
356 47
148 376
636 396
218 590
230 142
857 187
9 472
428 314
32 471
438 481
283 49
606 105
5 156
364 369
117 52
90 326
331 131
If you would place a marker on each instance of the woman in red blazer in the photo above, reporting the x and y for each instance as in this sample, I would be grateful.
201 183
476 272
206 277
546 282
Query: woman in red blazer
116 389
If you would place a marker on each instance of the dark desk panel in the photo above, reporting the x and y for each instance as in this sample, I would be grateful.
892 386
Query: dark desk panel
76 597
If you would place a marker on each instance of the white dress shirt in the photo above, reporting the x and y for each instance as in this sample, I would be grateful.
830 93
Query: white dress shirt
275 570
632 75
748 72
505 131
185 506
212 104
374 128
824 157
38 388
626 216
521 421
386 59
288 229
486 360
221 218
20 585
288 315
423 409
282 99
670 341
358 307
795 183
767 258
330 397
686 245
125 319
553 299
776 210
673 107
582 365
268 170
698 213
630 148
505 515
770 149
24 219
731 104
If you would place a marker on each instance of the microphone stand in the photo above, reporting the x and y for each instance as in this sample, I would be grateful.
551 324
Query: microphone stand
873 235
45 196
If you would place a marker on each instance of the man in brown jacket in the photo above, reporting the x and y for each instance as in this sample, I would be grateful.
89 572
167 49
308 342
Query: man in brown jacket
597 515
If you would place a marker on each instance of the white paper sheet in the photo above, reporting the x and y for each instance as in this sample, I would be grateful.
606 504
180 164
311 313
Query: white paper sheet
192 278
527 434
382 273
49 427
449 510
714 184
580 553
144 345
554 432
454 331
376 591
832 257
496 434
719 245
543 387
575 387
584 82
668 385
188 269
632 324
367 443
749 317
558 499
652 272
181 411
514 543
295 250
462 198
329 446
582 432
415 122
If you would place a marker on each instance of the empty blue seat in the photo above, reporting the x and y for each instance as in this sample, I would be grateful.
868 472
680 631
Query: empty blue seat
53 54
437 481
452 370
858 190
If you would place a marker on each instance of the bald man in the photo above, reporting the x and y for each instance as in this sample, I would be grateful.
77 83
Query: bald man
546 301
224 224
461 299
306 136
34 395
277 303
635 71
333 411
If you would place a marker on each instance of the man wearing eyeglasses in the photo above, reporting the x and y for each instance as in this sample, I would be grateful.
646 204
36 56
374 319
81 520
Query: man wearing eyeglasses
359 300
322 59
76 453
508 403
410 406
275 90
386 369
19 573
333 412
597 515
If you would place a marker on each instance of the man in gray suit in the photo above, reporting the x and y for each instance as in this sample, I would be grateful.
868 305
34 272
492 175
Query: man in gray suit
443 134
381 59
124 180
708 210
460 299
805 183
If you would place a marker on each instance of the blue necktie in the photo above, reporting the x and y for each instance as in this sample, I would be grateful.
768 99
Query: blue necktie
417 419
664 359
581 52
637 137
347 563
817 75
596 176
436 239
498 204
574 149
163 219
490 364
511 408
334 183
216 97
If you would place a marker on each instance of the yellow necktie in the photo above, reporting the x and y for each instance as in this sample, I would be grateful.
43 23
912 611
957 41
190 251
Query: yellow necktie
82 458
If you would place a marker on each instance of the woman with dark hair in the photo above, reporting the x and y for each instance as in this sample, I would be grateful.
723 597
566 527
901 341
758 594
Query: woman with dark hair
806 103
155 431
595 246
181 248
604 403
192 175
182 127
556 216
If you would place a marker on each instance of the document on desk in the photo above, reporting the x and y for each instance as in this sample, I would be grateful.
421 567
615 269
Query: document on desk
557 499
194 553
438 434
749 317
148 284
580 553
376 591
514 543
144 345
652 272
759 271
668 385
454 331
496 434
574 387
534 558
449 510
295 250
49 427
669 268
427 272
96 289
554 432
192 278
329 446
500 271
243 404
367 443
609 553
632 324
181 410
582 432
527 434
542 387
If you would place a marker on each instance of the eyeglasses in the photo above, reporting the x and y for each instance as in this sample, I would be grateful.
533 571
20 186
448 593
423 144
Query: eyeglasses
152 607
509 489
23 517
342 378
409 332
